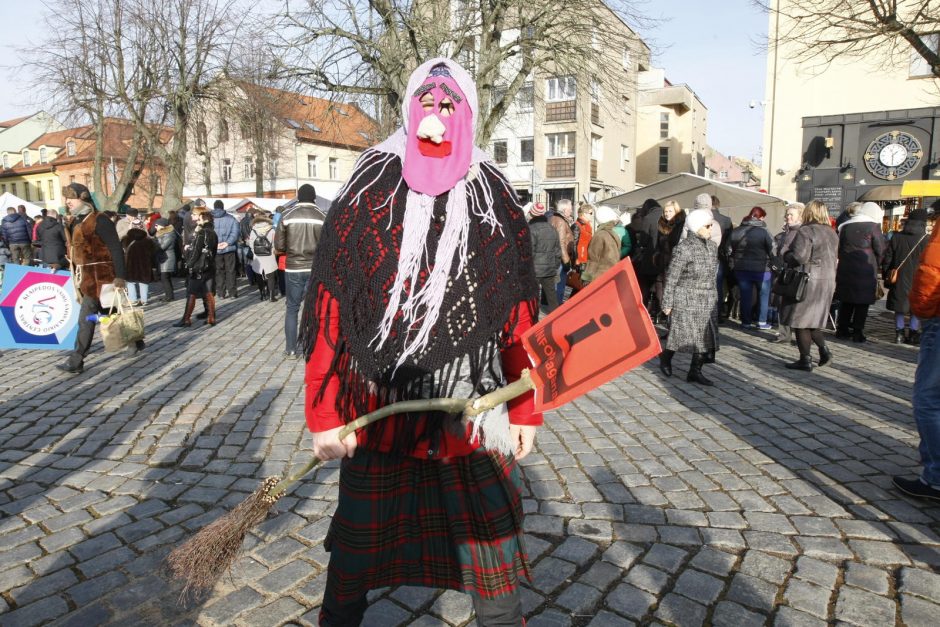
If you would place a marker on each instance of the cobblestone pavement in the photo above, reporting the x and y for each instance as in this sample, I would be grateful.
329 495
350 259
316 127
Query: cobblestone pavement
765 500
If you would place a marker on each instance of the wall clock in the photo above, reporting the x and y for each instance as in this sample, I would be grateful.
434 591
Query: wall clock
893 155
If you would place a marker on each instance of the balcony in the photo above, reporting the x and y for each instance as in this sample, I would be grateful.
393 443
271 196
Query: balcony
594 168
561 111
560 168
595 113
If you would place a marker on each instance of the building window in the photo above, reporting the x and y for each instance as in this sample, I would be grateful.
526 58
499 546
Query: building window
26 191
158 186
223 131
13 188
627 60
6 161
71 179
43 155
226 170
272 168
525 99
527 150
560 88
26 161
311 166
496 94
3 188
70 148
334 168
51 189
919 66
559 145
597 147
40 193
500 153
624 156
595 91
664 125
663 160
723 174
249 168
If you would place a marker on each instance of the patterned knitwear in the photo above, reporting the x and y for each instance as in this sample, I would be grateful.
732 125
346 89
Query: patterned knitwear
357 263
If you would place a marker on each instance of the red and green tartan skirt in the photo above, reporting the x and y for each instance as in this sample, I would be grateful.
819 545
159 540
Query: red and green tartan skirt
452 523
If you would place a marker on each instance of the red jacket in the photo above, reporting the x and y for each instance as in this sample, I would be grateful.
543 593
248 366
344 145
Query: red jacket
323 416
584 240
925 293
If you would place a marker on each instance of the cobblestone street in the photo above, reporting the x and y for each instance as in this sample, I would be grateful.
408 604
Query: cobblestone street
764 500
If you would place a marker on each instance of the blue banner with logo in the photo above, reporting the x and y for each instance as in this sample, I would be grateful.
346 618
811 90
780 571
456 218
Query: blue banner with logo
38 309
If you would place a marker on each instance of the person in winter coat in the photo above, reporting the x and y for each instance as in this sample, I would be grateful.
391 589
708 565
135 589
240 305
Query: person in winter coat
644 233
15 231
244 248
139 253
626 242
814 249
260 241
52 243
604 251
200 266
167 242
861 253
561 221
668 232
723 227
690 298
903 254
226 229
585 224
925 304
792 220
546 254
752 248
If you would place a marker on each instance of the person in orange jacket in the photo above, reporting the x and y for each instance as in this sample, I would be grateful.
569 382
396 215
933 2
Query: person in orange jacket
925 304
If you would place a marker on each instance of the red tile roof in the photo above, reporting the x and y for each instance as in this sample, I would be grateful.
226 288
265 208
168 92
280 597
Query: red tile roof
14 121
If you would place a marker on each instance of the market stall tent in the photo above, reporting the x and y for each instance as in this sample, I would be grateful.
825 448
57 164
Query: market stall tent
9 200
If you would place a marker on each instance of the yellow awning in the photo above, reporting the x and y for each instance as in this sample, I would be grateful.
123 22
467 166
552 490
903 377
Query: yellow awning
919 189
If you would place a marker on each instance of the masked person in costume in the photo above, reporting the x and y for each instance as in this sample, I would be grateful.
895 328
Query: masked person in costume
422 285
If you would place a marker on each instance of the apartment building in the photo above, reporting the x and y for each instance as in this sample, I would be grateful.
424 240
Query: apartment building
731 170
821 119
305 140
671 129
25 159
571 134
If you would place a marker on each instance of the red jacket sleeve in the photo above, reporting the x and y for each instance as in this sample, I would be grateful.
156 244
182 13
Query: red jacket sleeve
515 360
322 415
925 292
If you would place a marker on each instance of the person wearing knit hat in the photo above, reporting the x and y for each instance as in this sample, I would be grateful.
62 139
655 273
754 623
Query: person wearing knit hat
546 254
538 209
690 299
702 201
604 249
296 236
97 259
862 249
902 258
421 286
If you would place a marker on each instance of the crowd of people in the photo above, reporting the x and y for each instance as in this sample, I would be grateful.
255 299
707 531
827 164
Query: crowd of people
205 250
847 263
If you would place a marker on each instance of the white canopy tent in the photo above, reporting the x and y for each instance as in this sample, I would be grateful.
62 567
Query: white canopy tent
736 201
9 200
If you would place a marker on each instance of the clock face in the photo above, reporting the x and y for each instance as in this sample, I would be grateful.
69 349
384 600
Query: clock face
893 155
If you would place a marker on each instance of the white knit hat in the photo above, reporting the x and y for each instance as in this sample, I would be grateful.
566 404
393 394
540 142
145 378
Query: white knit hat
698 218
605 214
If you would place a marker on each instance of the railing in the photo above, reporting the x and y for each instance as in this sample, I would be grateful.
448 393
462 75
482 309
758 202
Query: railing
561 111
559 168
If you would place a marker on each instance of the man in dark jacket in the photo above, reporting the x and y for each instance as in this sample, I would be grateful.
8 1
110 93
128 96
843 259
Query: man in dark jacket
644 232
16 233
297 235
723 223
752 248
98 259
226 228
50 235
546 253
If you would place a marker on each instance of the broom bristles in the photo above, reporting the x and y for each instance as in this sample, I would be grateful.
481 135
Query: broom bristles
201 561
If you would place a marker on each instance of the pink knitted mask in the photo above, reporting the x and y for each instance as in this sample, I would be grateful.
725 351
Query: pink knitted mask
434 163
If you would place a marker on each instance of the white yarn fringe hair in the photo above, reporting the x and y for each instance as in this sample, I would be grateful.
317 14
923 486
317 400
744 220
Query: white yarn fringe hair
492 429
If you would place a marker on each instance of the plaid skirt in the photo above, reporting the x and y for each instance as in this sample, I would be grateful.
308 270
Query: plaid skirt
452 523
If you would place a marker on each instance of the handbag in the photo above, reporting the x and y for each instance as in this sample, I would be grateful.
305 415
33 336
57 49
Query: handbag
791 284
123 327
574 280
893 275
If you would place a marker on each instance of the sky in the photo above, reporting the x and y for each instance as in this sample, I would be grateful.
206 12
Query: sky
716 48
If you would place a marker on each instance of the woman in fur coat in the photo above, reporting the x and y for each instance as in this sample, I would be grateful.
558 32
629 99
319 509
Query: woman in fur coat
200 264
861 252
138 260
690 298
671 226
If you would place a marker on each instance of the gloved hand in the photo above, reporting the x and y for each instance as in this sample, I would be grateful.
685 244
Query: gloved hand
119 283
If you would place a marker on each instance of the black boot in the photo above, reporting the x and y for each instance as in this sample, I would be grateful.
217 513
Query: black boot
665 362
899 336
710 357
914 339
695 370
187 314
805 362
825 356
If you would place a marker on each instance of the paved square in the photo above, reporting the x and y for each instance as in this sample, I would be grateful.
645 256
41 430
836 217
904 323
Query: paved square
764 500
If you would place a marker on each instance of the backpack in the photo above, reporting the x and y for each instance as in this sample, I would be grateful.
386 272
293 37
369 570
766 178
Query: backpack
262 246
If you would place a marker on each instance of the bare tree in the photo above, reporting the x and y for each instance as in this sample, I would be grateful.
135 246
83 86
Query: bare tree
823 30
366 50
149 61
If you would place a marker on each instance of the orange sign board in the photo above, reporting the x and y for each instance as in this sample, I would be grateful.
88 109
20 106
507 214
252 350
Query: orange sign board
600 333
